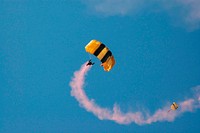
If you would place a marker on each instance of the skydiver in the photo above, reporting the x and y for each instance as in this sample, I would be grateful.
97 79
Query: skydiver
90 63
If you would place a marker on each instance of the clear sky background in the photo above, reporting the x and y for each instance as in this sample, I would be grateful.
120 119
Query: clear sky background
156 47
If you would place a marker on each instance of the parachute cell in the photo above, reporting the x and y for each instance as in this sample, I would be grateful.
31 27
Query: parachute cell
102 53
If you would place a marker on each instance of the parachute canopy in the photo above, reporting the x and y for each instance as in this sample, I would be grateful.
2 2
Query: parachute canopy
102 53
174 106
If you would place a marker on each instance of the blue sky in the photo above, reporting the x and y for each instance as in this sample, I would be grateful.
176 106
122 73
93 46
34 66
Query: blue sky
157 53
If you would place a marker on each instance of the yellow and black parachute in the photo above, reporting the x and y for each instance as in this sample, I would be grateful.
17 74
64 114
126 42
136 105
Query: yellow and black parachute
102 53
174 106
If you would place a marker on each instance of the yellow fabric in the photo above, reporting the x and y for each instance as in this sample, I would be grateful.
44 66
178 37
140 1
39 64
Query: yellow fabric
110 62
102 53
92 46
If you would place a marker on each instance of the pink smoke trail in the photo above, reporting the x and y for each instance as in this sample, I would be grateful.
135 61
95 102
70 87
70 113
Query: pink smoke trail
77 83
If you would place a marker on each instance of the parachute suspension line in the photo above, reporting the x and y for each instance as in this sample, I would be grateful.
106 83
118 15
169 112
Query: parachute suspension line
90 56
169 110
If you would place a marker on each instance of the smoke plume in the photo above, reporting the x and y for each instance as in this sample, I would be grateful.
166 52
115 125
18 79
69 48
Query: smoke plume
140 118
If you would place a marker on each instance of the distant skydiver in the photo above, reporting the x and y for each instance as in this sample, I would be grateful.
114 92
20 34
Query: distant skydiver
174 106
90 63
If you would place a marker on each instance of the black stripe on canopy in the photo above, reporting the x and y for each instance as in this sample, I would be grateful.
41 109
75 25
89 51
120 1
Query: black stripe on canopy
106 56
99 49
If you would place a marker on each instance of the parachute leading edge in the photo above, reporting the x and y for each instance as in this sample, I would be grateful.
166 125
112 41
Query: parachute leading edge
102 53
